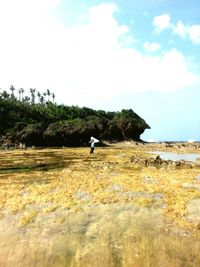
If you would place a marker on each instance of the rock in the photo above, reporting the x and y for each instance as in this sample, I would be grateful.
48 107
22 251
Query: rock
116 187
158 162
149 180
193 208
191 185
124 125
132 194
83 196
31 135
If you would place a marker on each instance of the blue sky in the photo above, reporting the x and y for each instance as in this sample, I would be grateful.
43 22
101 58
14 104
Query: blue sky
109 55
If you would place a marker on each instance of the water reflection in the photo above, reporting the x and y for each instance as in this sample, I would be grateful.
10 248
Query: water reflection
177 156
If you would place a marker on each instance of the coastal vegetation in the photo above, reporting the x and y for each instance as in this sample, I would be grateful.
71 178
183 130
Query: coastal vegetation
37 120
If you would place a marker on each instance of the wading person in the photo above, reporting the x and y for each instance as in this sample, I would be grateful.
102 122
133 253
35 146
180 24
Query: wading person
92 144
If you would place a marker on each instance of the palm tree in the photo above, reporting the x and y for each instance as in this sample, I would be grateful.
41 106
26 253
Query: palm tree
31 90
32 95
22 92
19 92
38 95
34 90
48 94
44 98
12 89
53 97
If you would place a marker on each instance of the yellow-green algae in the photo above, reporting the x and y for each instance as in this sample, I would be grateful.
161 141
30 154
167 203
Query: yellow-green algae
76 183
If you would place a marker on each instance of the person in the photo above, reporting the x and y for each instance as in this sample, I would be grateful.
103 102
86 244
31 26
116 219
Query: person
92 144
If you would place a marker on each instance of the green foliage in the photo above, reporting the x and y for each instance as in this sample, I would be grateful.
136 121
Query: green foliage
29 117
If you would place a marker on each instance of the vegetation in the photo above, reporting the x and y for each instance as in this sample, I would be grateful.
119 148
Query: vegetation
38 120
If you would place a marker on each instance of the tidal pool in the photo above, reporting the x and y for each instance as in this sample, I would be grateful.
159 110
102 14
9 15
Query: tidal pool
176 156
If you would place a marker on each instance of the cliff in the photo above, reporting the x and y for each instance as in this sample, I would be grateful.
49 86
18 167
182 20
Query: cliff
59 125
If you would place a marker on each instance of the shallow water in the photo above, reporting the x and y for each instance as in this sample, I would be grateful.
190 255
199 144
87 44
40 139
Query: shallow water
177 156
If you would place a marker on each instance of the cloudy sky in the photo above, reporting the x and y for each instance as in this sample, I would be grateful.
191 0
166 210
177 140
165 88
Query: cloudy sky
109 55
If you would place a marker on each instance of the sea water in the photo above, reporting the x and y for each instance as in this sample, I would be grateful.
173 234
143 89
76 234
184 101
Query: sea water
177 156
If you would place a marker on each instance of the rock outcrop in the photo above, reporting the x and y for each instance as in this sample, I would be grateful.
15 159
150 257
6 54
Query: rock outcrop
158 162
77 132
52 125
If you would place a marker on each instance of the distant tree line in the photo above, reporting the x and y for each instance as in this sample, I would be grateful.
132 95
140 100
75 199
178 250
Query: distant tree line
35 95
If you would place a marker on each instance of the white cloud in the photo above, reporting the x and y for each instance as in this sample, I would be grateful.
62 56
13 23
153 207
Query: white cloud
194 33
191 32
83 62
180 29
152 47
161 22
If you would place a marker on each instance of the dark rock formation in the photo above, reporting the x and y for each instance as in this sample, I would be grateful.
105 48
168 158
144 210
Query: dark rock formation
158 162
77 132
74 133
31 135
124 125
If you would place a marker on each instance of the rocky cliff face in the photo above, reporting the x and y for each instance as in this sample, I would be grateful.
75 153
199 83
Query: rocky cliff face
77 132
124 125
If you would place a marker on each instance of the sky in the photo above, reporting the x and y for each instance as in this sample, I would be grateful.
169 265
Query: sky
142 55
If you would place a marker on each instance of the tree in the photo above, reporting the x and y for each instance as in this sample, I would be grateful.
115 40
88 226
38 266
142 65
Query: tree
12 89
32 95
19 92
22 92
53 97
44 97
27 99
38 95
5 95
48 94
